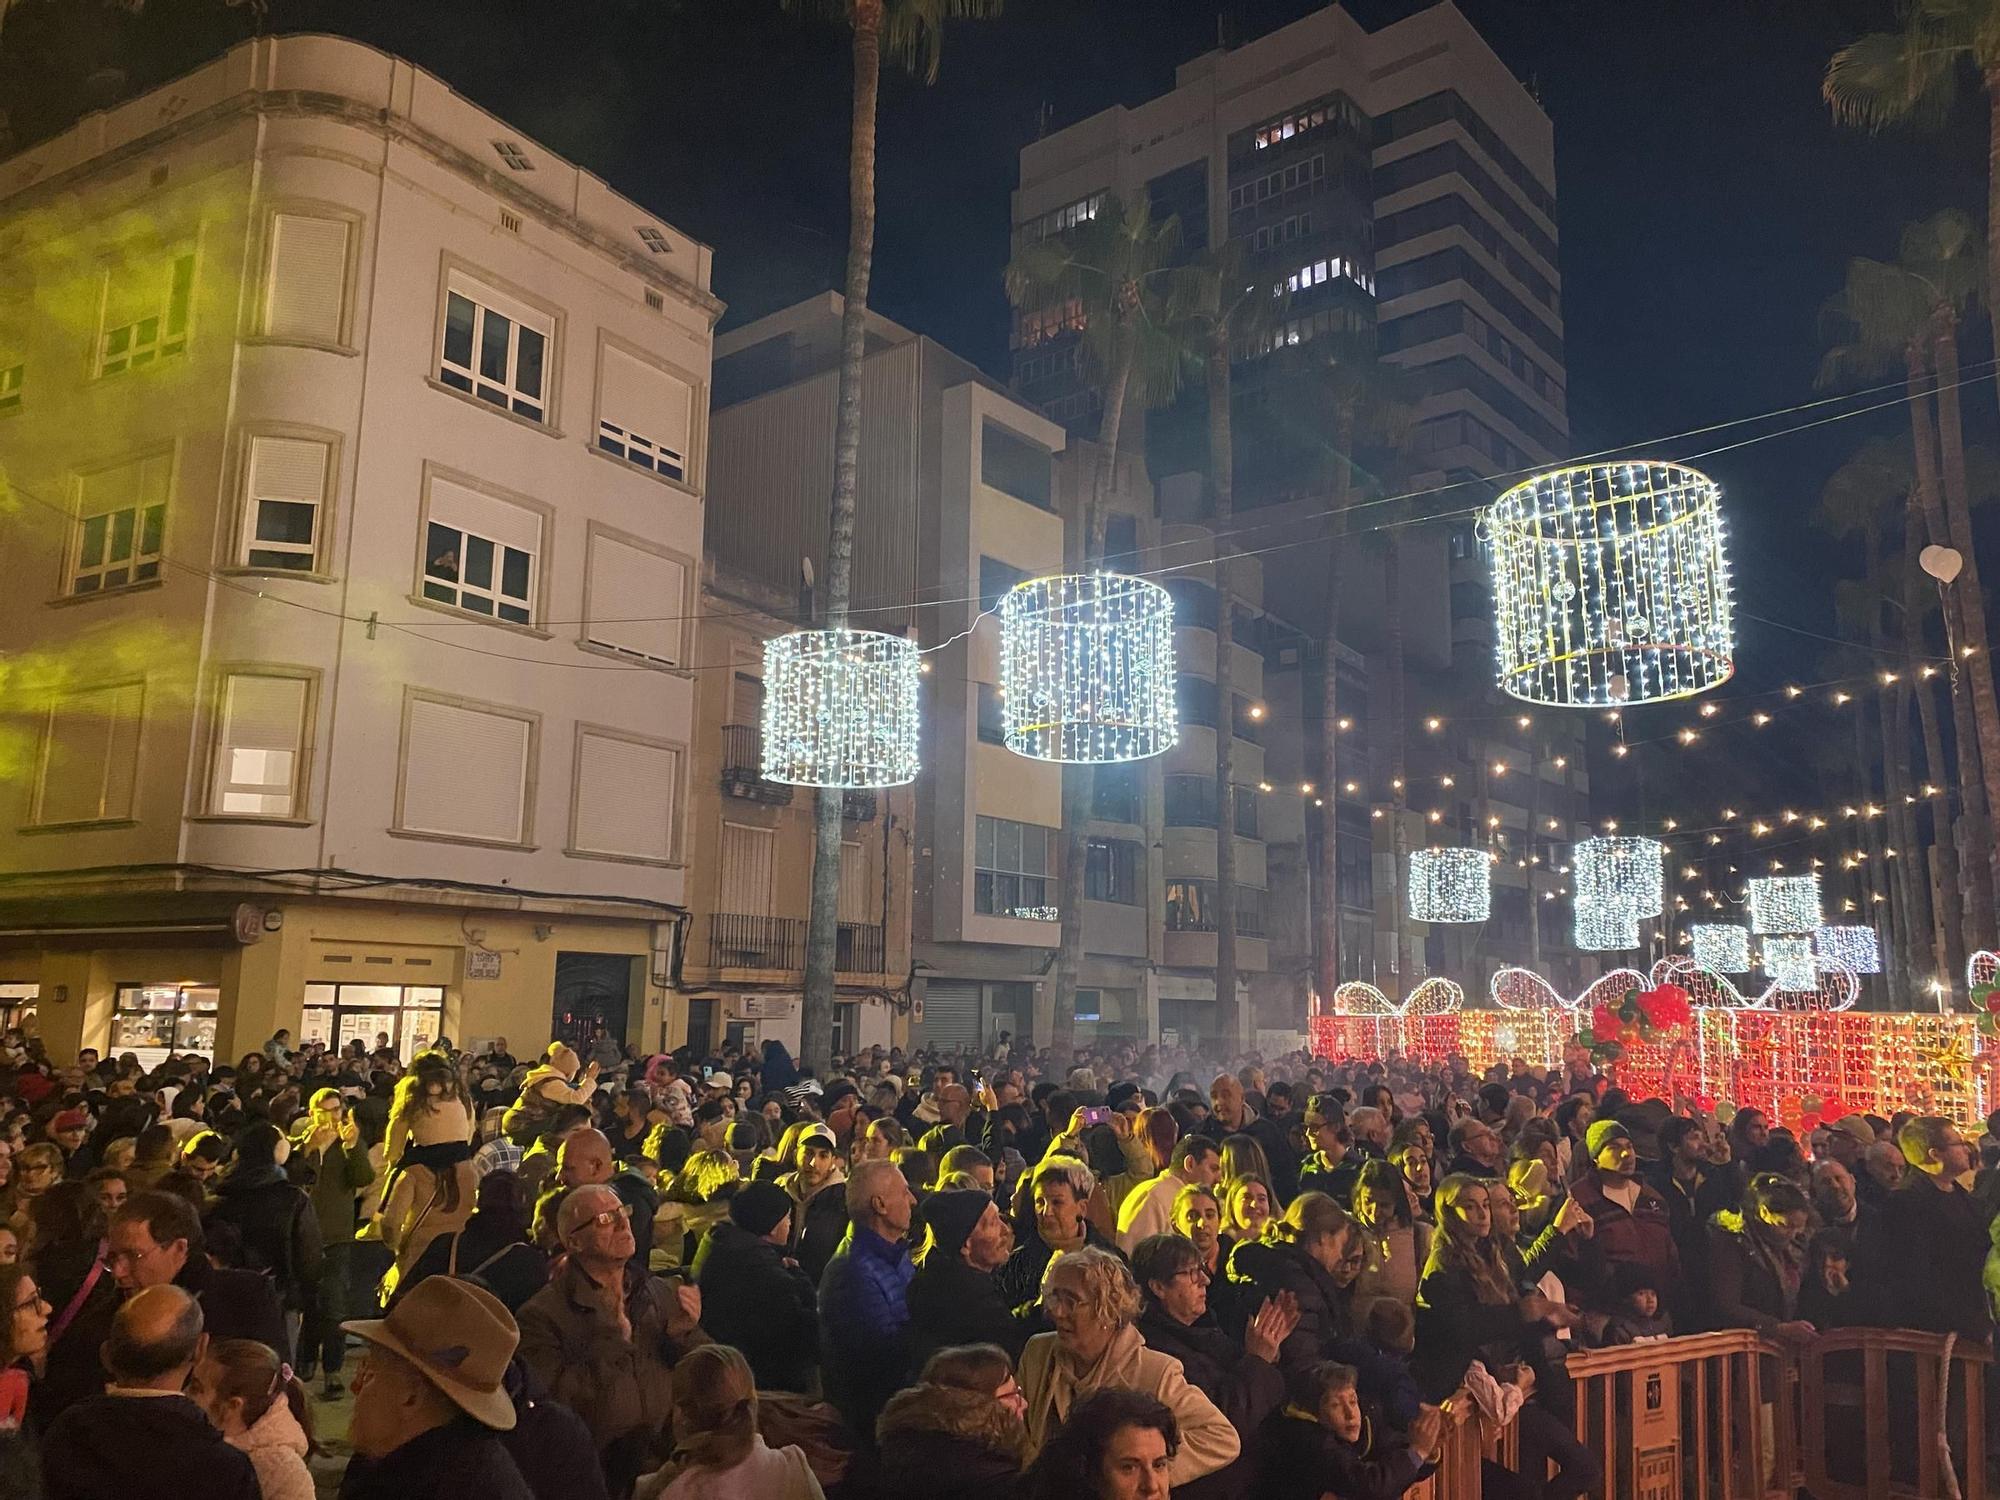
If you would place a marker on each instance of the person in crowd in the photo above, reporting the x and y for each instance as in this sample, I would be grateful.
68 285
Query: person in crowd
70 1227
753 1296
1476 1148
431 1186
1148 1209
330 1162
1637 1315
431 1400
1834 1201
1092 1300
494 1248
1148 1152
1826 1295
963 1418
156 1239
1677 1177
1229 1114
1246 1207
1395 1243
953 1297
275 1221
1925 1252
559 1079
603 1336
143 1437
817 1188
1324 1443
1468 1306
718 1449
1882 1171
1051 1219
37 1168
24 1346
1117 1445
1633 1223
864 1313
260 1408
1311 1255
1332 1166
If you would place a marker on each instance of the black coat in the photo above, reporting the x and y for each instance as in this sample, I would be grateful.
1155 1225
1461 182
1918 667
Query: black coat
1921 1259
458 1459
1454 1328
939 1440
818 1229
1244 1389
504 1264
1257 1271
1743 1290
280 1231
236 1304
750 1298
75 1369
1020 1278
1301 1460
142 1448
951 1304
1336 1181
550 1444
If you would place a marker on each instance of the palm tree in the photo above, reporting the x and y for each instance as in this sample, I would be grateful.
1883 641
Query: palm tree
911 32
1942 861
1119 274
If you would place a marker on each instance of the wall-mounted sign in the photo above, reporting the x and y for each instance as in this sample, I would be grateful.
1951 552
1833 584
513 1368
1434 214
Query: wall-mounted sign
764 1007
482 963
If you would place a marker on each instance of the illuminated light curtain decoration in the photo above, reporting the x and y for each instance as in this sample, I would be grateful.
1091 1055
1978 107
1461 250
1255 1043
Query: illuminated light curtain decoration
1624 872
1789 960
840 709
1611 585
1723 947
1450 885
1087 669
1786 904
1853 945
1606 929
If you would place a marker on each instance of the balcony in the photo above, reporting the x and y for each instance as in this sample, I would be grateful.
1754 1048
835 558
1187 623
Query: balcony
858 806
740 941
743 766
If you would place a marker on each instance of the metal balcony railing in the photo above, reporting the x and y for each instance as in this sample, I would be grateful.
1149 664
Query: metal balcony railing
743 765
737 940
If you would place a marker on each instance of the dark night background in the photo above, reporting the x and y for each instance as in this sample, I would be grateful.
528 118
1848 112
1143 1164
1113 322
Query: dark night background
1708 203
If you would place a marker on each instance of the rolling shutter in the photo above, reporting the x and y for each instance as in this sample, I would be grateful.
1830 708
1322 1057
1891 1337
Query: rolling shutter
627 797
465 772
951 1014
638 601
308 277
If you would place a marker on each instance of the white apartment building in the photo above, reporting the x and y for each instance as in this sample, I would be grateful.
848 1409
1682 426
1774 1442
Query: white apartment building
356 446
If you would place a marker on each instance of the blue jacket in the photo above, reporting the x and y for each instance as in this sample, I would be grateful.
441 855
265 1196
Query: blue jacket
864 1326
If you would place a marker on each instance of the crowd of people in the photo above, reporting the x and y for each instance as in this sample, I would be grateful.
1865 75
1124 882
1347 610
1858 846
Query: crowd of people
995 1277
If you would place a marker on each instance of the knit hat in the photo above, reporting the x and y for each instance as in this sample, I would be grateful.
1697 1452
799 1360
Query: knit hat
1601 1134
953 1215
759 1206
69 1119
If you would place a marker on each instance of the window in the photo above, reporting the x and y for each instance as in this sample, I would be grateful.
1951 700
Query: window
121 518
480 553
1194 602
515 158
1246 812
1114 793
636 600
652 239
1067 217
746 870
1038 325
152 1020
285 493
995 578
627 797
1012 871
1197 701
259 746
89 764
1338 111
146 314
336 1014
643 413
1121 539
1191 907
307 284
1190 801
1270 236
852 906
1336 268
1293 178
1013 465
1111 871
466 771
495 349
992 716
11 377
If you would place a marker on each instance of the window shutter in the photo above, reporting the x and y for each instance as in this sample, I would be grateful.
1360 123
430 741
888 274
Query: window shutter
308 278
853 884
469 510
637 601
465 772
643 400
289 469
627 797
111 489
262 718
134 290
746 700
746 870
90 759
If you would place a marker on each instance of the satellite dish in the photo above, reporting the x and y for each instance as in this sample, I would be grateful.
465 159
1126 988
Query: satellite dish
1942 563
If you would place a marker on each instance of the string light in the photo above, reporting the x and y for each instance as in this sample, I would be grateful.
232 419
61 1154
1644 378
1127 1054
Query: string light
1601 929
1853 945
1087 668
1625 874
1790 963
1722 947
1784 904
840 709
1450 885
1611 585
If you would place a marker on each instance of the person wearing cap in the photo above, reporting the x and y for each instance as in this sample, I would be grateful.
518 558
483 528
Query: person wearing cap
430 1399
70 1129
818 1188
753 1295
953 1298
603 1335
1635 1226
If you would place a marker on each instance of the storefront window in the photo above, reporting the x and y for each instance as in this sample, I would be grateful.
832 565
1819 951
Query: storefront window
152 1020
411 1016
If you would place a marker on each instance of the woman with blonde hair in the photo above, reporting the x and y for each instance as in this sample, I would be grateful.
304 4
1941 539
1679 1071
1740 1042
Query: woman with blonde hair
1246 1207
718 1452
693 1203
1313 1252
1091 1298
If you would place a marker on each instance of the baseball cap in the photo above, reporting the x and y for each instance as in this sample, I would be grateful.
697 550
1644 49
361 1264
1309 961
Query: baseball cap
720 1080
816 1133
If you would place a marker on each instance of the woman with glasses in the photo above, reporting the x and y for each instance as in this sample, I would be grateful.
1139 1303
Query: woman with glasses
963 1419
24 1344
37 1168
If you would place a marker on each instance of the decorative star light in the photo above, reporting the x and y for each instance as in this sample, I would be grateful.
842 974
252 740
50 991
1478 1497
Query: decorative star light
840 709
1087 669
1787 904
1611 585
1723 947
1450 885
1788 959
1854 945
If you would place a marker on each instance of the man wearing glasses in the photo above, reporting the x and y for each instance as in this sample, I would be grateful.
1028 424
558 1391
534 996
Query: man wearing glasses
156 1240
603 1336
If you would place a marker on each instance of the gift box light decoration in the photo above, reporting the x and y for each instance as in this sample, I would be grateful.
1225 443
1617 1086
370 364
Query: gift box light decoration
1087 669
840 709
1784 904
1450 885
1852 945
1788 959
1622 872
1720 946
1611 585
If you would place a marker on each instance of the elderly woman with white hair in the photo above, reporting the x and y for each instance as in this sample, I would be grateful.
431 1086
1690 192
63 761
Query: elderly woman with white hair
1092 1299
1051 1218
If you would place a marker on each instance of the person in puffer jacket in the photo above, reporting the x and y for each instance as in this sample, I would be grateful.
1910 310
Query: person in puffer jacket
962 1420
260 1409
557 1080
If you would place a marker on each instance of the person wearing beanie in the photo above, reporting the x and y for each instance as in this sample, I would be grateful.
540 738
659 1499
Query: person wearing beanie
753 1295
953 1298
1635 1225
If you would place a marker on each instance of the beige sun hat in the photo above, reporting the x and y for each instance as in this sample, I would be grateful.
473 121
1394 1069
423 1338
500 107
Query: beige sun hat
459 1337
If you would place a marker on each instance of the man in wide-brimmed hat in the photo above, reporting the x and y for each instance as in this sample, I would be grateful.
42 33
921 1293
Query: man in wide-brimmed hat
430 1398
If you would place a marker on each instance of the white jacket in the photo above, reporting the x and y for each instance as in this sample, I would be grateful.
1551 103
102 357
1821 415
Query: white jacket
277 1448
1149 1209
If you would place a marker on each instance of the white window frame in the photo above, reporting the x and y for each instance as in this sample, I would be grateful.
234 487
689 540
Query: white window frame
489 300
675 856
442 592
163 336
225 675
142 567
38 794
649 453
300 208
587 636
247 511
530 771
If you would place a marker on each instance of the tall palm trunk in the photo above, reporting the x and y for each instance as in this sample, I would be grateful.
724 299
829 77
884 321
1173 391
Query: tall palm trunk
1978 669
1326 915
1900 924
1947 906
1399 835
1221 459
1078 782
816 1008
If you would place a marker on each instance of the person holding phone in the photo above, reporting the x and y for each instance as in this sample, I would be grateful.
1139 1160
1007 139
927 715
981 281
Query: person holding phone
331 1164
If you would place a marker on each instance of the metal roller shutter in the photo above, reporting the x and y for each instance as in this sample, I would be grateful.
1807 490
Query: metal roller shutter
951 1014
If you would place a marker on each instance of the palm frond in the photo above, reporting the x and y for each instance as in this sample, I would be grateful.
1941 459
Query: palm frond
1870 489
1907 77
1947 252
1870 322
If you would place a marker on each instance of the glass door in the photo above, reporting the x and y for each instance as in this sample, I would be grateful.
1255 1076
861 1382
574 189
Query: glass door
410 1016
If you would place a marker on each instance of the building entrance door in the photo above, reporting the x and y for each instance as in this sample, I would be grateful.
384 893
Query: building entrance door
593 994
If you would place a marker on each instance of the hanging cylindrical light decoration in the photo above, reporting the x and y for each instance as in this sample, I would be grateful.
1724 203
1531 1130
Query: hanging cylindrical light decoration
1723 947
1450 885
1850 944
1087 668
1784 904
1605 929
1621 872
1611 585
840 709
1788 959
